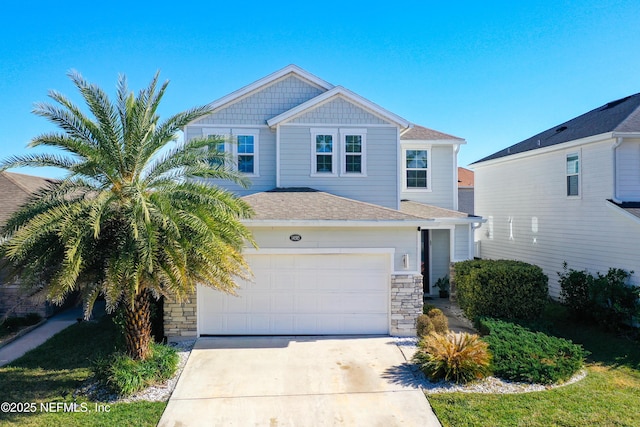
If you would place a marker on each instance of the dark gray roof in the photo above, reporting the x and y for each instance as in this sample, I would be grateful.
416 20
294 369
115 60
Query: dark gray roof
622 115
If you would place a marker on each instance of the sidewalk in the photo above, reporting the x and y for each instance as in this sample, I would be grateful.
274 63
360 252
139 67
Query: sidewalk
39 335
457 320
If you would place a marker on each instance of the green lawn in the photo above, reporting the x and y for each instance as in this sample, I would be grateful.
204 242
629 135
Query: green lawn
49 375
608 396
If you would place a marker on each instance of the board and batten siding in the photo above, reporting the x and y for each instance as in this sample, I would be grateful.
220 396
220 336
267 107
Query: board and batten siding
628 170
404 240
442 188
379 186
533 220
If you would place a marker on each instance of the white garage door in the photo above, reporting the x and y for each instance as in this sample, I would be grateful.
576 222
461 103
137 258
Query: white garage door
303 294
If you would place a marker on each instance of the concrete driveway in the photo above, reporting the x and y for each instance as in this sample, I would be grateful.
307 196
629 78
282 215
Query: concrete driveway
297 381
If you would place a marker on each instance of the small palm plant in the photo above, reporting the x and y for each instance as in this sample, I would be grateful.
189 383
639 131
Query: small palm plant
458 357
133 218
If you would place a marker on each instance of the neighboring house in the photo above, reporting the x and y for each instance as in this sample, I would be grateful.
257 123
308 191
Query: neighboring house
352 203
465 190
570 193
15 189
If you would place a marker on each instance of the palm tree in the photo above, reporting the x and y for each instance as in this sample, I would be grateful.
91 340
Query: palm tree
132 219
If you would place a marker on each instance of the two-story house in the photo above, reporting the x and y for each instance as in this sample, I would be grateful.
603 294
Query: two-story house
570 193
355 213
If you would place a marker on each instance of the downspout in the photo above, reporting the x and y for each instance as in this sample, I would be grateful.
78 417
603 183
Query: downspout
456 149
615 170
278 155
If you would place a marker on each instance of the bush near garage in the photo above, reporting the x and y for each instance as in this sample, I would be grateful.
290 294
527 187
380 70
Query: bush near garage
433 321
500 288
520 354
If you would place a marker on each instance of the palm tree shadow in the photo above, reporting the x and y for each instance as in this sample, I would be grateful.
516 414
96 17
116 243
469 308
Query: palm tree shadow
406 375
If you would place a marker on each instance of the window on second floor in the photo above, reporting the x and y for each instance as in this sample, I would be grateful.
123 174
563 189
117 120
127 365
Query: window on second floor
354 152
242 144
573 174
417 175
324 152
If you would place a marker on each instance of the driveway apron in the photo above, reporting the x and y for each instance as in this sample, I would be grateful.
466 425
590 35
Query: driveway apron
297 381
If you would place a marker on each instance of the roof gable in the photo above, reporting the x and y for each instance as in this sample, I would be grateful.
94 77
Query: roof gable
335 93
622 115
15 189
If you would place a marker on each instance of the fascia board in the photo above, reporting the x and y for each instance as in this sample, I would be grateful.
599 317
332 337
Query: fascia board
335 223
289 69
338 91
557 147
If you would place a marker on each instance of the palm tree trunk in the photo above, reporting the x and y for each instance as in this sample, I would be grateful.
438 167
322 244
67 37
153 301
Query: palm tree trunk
138 326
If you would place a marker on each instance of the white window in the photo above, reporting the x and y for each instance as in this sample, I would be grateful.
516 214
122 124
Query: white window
354 143
242 144
324 152
417 175
573 174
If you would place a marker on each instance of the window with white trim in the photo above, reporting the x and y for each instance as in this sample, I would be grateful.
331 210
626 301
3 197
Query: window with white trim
417 175
242 144
324 152
573 174
354 152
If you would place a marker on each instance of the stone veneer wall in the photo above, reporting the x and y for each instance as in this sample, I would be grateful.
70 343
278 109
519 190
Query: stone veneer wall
14 301
452 282
406 303
180 319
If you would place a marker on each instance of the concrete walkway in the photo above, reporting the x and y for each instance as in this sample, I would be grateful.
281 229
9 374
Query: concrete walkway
39 335
457 320
297 381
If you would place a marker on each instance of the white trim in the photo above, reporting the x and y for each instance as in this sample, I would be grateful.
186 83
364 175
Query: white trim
349 96
335 152
231 147
456 149
399 179
594 139
337 125
622 211
567 174
337 223
343 133
418 147
227 125
269 80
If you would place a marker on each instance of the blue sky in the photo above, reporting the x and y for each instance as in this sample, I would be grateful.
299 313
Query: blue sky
491 72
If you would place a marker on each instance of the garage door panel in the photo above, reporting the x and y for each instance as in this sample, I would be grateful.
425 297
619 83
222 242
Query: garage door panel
303 294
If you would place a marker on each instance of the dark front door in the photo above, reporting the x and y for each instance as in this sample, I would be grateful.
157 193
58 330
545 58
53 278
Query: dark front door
425 261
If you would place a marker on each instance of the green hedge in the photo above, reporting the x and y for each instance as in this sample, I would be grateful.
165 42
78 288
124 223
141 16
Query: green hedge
520 354
500 288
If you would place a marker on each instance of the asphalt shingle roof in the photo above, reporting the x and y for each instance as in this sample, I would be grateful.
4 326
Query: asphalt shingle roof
306 204
15 189
421 133
622 115
429 211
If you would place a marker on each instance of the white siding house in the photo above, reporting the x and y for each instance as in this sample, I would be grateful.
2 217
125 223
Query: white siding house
567 194
353 205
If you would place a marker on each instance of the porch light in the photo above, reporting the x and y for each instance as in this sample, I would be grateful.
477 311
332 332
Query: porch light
405 261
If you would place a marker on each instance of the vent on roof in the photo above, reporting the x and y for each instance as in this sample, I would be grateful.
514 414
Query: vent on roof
614 103
561 128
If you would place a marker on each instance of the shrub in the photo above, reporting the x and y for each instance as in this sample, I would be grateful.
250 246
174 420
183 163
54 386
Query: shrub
126 376
433 321
501 288
12 324
427 308
606 299
458 357
520 354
